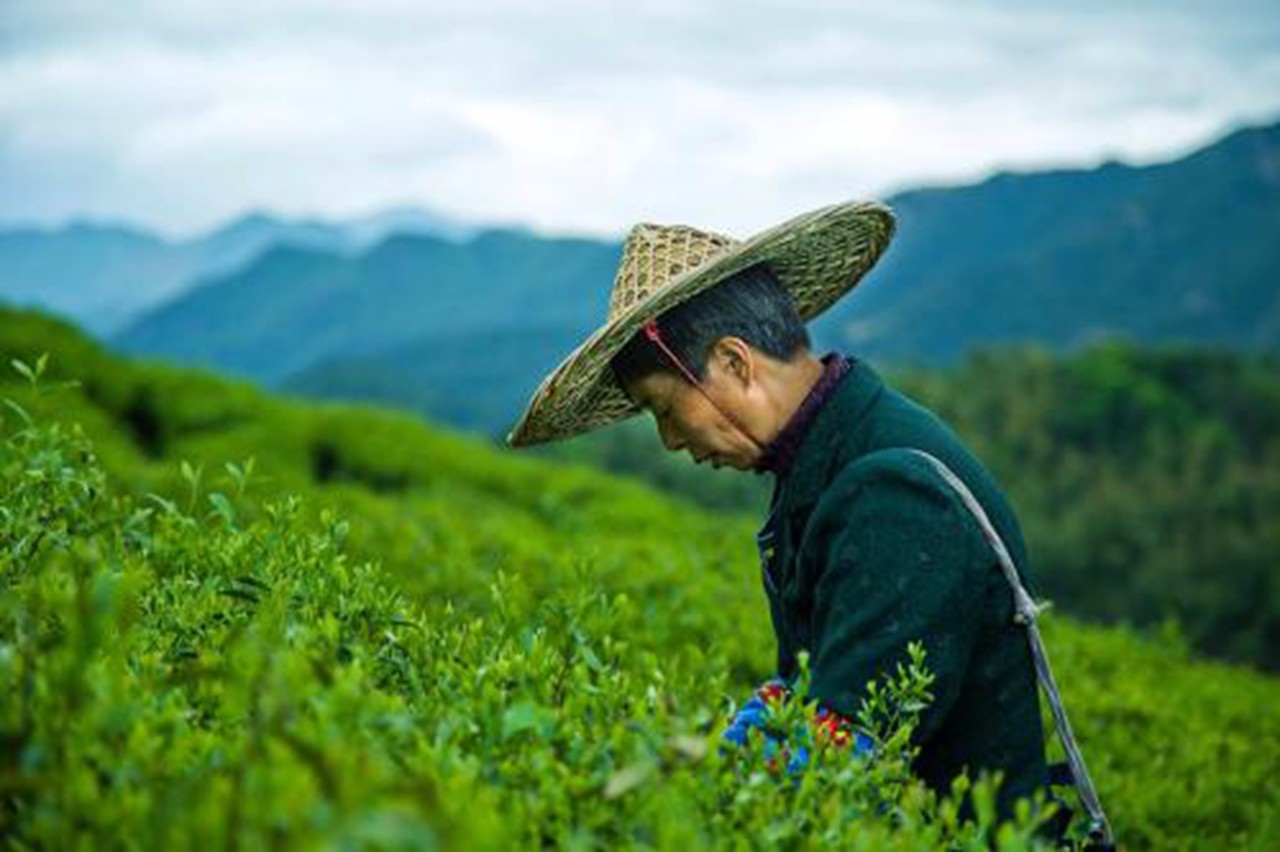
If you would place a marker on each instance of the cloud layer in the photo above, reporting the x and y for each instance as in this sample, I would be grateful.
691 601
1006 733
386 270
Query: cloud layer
586 116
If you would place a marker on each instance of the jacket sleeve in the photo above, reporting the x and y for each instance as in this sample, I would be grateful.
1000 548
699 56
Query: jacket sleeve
896 558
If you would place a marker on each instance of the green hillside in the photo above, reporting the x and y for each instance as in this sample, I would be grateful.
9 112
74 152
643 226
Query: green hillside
233 621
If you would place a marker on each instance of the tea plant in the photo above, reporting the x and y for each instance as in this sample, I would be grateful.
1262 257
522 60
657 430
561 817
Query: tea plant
446 645
201 672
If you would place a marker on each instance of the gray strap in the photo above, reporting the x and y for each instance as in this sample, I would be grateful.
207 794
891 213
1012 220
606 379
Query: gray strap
1025 612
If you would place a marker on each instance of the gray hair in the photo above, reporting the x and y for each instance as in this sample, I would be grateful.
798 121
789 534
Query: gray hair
751 304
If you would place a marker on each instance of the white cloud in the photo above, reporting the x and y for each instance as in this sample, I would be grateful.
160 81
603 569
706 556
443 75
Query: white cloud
588 115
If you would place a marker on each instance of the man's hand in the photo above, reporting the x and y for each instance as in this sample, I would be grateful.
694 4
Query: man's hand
755 713
828 729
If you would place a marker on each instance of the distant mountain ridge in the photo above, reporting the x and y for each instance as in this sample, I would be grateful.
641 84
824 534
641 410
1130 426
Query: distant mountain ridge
1184 251
296 307
103 276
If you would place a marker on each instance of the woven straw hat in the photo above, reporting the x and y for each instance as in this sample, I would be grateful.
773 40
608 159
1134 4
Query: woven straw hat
818 256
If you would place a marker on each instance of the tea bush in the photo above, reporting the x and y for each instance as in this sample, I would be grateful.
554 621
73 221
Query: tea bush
210 646
218 673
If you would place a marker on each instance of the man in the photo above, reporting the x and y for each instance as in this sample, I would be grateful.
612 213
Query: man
867 547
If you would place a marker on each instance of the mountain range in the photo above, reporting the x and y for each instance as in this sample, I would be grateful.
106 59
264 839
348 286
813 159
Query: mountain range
1185 251
460 324
296 307
103 276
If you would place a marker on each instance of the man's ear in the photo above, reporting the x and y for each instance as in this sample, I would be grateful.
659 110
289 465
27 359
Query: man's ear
735 359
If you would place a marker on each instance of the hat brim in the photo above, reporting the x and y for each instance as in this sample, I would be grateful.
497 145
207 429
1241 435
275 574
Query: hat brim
817 256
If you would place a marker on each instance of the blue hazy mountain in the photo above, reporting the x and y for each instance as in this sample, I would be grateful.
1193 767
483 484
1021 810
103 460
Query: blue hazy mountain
294 307
1184 251
102 276
95 274
471 380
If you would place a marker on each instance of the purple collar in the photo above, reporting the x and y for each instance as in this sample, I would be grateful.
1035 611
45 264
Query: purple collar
781 451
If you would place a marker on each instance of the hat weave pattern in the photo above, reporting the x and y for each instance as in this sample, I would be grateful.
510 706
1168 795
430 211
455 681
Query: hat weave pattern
818 257
654 256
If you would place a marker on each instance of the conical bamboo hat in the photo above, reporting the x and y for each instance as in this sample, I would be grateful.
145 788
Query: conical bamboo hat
818 256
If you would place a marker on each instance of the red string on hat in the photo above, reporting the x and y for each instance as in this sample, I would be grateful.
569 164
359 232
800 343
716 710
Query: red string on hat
651 332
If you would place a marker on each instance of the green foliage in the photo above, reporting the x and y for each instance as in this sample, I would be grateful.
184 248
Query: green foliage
1148 482
489 651
175 677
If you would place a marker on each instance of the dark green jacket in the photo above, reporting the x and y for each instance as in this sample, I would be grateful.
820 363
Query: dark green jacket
872 550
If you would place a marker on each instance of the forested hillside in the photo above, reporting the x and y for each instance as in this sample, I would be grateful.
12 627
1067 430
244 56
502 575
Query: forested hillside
233 621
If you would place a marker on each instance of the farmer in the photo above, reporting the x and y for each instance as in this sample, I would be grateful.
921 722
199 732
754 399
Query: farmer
866 547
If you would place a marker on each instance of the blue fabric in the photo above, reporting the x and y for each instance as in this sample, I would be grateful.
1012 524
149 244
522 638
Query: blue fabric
799 756
752 715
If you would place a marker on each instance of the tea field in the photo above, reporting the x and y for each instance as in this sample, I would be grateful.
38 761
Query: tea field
233 621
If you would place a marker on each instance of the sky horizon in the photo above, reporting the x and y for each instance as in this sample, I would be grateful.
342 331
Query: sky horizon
582 117
392 206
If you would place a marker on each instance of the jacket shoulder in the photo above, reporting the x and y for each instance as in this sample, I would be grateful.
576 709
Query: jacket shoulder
886 470
891 488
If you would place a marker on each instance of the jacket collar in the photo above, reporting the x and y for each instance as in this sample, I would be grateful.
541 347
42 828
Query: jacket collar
781 452
836 434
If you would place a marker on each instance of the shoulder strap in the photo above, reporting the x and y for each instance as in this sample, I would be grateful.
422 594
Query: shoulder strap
1025 612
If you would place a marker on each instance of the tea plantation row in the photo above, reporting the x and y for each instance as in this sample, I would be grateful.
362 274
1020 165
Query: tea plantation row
377 635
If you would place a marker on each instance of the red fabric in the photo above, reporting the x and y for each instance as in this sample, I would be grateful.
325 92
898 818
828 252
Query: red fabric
830 726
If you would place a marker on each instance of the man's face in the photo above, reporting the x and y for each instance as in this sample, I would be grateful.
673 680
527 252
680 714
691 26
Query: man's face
686 420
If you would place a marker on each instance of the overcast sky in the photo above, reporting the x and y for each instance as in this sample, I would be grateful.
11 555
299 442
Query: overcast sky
586 116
